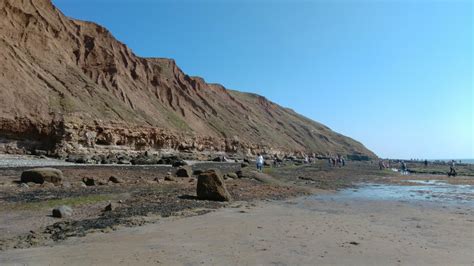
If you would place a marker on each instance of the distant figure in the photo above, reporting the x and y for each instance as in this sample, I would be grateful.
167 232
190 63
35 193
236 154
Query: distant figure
330 161
426 163
381 165
404 169
259 162
452 171
343 161
306 160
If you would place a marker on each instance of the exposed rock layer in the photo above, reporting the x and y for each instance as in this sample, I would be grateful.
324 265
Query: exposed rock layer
69 86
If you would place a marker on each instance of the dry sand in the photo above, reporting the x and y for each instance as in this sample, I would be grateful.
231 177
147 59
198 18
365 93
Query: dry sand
304 231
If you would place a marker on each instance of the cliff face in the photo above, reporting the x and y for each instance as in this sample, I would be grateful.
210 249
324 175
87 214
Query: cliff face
70 86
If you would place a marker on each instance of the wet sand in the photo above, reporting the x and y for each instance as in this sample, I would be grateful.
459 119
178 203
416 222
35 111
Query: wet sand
305 231
391 220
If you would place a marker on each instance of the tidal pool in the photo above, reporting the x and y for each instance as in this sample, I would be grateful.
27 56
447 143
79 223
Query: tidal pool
427 191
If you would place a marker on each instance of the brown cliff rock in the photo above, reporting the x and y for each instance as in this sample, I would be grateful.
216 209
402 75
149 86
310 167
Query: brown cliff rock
69 86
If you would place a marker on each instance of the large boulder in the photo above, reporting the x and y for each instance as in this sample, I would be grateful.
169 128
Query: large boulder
211 186
41 175
62 211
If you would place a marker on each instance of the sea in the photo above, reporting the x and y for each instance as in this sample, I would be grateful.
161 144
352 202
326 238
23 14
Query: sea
467 161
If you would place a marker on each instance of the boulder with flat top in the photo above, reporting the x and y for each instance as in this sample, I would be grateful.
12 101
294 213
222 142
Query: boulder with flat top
42 175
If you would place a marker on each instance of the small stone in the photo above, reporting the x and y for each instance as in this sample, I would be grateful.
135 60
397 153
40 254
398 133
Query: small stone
179 163
239 174
110 207
115 180
244 164
89 181
47 185
102 183
62 211
24 185
232 175
184 171
169 178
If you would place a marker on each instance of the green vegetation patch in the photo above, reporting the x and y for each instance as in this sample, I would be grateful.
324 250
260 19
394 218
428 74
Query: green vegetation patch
74 201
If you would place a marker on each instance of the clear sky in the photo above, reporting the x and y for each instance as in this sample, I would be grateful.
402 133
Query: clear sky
395 75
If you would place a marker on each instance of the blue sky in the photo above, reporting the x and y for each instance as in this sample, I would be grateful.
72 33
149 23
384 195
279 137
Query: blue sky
396 75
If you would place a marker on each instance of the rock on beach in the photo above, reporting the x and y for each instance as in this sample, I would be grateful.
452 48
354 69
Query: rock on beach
42 175
62 211
211 186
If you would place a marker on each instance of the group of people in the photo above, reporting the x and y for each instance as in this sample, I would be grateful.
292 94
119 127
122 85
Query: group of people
339 161
336 161
404 169
260 161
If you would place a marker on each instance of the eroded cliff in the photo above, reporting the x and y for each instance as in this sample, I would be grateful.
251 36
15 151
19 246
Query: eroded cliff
69 86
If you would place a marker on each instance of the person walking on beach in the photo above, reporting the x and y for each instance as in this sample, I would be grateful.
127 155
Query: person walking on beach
404 168
259 162
452 171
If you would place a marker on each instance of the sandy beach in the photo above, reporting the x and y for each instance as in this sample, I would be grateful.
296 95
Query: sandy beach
305 231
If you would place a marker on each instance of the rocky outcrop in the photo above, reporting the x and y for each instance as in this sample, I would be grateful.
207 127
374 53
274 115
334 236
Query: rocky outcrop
68 86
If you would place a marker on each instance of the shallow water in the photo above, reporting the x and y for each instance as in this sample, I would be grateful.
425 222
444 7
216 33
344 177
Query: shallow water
7 160
426 191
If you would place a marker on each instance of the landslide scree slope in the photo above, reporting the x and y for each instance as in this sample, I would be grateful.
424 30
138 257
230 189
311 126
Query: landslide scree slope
68 86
